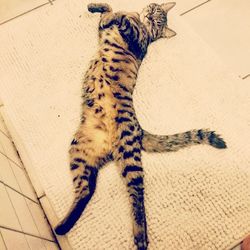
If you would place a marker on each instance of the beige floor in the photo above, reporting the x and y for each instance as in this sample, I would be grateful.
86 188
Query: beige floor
22 221
224 25
10 9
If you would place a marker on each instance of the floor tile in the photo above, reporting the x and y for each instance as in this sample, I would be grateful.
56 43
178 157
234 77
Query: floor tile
183 6
12 8
48 209
23 213
40 220
2 244
8 217
14 240
9 149
237 247
3 128
35 243
7 174
24 182
50 245
225 26
25 157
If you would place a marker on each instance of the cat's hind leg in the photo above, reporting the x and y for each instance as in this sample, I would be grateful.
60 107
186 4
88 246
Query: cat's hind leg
84 184
170 143
87 154
128 157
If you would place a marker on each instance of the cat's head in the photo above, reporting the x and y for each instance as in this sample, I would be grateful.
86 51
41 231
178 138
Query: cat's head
154 17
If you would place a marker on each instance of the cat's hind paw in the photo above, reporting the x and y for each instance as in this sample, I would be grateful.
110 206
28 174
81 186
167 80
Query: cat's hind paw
141 241
108 20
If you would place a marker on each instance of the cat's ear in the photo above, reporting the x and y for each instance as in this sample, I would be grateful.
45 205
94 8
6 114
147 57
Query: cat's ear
168 33
168 6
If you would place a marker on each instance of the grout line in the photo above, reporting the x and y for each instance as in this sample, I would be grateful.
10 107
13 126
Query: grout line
26 12
14 161
43 195
27 242
10 159
4 134
3 241
25 196
51 2
246 76
195 7
22 232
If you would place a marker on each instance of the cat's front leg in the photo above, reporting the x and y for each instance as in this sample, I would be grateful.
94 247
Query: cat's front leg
99 8
108 19
121 19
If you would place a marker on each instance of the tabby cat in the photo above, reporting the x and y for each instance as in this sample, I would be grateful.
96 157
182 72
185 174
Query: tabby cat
109 129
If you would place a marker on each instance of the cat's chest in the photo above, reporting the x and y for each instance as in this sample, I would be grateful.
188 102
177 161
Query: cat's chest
108 83
102 80
99 101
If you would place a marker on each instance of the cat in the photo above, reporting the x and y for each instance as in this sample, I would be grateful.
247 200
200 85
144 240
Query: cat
109 129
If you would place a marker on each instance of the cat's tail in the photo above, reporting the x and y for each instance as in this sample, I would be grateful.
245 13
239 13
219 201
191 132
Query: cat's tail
170 143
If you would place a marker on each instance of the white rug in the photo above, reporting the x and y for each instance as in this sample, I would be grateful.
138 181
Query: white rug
197 198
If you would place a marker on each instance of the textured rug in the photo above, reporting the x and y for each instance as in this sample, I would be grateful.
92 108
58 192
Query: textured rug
197 198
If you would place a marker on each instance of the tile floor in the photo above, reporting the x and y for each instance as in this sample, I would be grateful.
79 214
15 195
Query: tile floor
23 224
13 8
224 25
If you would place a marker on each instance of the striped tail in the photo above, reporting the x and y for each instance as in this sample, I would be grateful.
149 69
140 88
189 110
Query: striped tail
170 143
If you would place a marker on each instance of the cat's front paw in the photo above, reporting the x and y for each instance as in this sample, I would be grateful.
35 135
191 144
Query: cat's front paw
107 20
99 7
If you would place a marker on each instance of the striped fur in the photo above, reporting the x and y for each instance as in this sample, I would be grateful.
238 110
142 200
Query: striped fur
171 143
109 129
